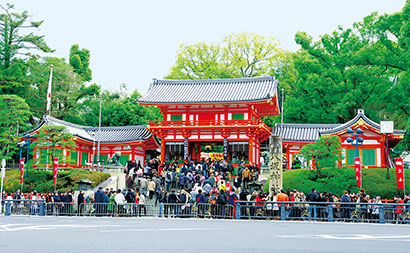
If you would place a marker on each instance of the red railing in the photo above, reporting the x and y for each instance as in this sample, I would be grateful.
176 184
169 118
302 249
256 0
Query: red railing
196 123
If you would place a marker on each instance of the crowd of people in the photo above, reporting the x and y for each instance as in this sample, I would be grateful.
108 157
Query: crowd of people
214 188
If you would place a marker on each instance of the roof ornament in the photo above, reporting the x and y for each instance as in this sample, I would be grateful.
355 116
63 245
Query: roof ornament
360 111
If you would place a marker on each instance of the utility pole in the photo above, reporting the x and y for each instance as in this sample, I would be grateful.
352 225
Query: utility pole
99 135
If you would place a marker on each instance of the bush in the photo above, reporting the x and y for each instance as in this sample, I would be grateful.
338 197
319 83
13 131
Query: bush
336 180
42 181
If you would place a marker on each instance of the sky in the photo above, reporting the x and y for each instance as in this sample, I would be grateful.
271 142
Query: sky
133 42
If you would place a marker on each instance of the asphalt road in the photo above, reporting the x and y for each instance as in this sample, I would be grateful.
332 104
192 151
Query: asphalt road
84 234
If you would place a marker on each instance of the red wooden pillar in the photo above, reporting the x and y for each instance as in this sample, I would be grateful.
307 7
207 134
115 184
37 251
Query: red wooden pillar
250 151
163 150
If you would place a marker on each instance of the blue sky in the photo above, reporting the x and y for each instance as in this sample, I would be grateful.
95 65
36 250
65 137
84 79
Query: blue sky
132 42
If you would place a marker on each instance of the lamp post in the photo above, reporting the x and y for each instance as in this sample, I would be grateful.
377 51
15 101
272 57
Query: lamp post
3 174
99 136
357 142
92 158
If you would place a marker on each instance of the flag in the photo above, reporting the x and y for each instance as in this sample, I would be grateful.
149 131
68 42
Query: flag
399 173
357 169
21 170
49 90
55 167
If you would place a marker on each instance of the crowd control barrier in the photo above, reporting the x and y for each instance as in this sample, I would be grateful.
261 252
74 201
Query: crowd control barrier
303 211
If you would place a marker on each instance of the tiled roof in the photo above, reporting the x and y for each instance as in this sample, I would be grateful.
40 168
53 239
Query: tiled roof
312 132
211 90
362 116
301 132
107 134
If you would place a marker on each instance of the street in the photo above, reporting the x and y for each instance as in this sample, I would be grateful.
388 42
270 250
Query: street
66 234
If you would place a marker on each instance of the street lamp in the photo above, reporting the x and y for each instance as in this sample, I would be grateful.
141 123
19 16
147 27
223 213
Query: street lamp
92 158
357 142
99 136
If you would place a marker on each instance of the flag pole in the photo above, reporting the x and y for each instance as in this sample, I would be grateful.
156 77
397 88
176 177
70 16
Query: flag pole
50 81
48 108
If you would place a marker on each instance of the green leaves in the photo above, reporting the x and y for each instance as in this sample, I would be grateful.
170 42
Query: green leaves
80 61
326 151
14 114
239 55
55 139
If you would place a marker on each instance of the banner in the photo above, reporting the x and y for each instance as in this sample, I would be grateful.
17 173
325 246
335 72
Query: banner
186 149
357 169
55 167
399 173
213 156
21 170
225 148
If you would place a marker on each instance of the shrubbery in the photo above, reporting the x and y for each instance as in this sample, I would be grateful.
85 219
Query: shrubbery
335 180
42 181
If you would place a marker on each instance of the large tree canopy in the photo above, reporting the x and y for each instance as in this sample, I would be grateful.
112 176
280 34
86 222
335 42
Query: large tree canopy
13 42
239 55
14 114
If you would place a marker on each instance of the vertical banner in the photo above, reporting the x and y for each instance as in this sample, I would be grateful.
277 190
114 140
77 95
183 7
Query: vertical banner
21 170
399 173
357 169
225 149
186 149
55 168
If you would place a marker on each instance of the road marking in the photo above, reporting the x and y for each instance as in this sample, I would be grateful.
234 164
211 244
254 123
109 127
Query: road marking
21 227
351 237
160 229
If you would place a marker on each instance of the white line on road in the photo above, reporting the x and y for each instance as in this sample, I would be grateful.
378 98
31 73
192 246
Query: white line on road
160 229
351 237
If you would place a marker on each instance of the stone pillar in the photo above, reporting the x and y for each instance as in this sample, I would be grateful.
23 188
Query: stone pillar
225 149
186 149
275 163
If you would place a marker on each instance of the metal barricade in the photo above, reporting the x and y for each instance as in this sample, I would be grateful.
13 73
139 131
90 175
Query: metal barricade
177 210
61 209
23 207
205 210
115 210
324 211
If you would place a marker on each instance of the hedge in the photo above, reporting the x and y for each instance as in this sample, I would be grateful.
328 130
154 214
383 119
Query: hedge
42 181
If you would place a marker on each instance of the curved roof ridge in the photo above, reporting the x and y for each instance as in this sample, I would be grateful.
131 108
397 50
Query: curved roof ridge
228 90
221 80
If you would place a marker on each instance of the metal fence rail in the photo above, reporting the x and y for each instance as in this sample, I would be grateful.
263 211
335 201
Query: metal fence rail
308 211
23 207
324 211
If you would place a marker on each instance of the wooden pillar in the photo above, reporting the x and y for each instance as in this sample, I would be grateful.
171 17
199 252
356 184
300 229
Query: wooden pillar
162 150
250 151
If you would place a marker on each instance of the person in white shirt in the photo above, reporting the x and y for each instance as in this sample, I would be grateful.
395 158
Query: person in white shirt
141 204
120 201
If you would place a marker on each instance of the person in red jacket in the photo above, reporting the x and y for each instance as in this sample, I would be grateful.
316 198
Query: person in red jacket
398 210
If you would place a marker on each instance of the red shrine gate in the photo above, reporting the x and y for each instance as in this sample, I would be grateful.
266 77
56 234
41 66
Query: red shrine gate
225 113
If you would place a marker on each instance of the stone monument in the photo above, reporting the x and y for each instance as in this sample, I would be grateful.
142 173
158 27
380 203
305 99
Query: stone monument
275 163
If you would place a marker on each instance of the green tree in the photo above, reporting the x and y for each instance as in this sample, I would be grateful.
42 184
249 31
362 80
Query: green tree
68 89
325 152
54 139
14 114
366 66
239 55
80 61
118 109
15 41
